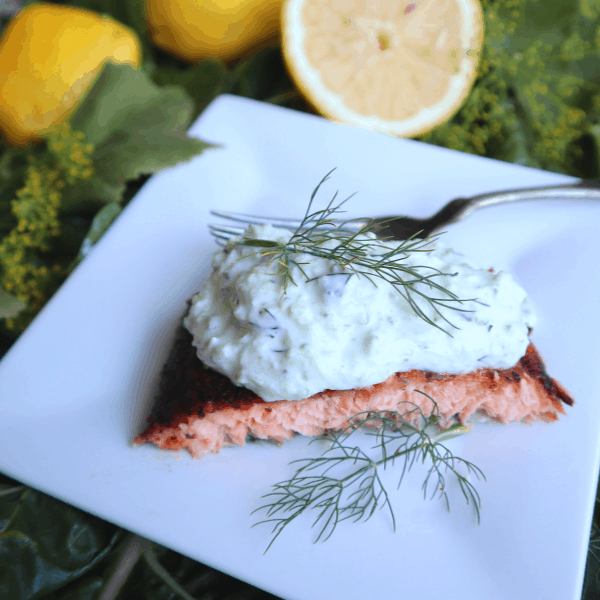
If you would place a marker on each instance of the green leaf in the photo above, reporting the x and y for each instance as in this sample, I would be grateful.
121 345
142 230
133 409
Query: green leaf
101 222
137 128
262 76
50 542
126 155
517 147
203 82
86 588
121 94
10 306
88 193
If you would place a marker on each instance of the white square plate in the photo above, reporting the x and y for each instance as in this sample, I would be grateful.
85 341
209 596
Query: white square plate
79 383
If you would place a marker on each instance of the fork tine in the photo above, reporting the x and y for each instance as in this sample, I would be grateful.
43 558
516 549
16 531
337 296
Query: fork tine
224 234
257 220
221 239
284 222
227 231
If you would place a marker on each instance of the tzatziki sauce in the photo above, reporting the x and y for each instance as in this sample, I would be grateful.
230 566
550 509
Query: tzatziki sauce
331 329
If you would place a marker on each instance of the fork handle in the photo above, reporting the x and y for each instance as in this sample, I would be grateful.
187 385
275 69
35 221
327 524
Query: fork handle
460 208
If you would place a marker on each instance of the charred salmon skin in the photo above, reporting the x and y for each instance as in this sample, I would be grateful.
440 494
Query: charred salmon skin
201 411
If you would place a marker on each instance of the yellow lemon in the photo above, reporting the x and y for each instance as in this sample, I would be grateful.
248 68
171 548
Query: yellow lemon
223 29
49 56
400 67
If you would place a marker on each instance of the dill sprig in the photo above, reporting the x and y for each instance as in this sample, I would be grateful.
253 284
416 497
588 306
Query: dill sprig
321 235
344 482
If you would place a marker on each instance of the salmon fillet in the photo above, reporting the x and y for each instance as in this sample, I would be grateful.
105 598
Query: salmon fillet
202 411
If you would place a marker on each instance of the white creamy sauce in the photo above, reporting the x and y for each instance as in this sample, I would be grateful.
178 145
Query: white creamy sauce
339 331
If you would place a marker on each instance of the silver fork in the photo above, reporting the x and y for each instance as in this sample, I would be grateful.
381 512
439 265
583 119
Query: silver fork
402 228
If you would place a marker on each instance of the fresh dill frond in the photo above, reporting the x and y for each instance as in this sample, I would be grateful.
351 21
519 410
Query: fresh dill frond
344 482
322 235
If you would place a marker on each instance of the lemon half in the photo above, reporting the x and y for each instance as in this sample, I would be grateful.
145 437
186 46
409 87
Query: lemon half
397 67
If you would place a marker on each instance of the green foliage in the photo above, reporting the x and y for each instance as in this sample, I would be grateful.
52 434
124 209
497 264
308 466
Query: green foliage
136 128
591 584
10 306
25 249
537 94
53 551
263 76
52 543
127 126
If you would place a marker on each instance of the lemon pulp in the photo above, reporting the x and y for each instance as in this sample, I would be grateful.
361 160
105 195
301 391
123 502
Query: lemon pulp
401 68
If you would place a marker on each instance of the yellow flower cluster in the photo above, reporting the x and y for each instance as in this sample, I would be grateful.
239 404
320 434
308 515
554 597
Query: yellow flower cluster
541 109
590 9
483 117
574 48
72 154
36 208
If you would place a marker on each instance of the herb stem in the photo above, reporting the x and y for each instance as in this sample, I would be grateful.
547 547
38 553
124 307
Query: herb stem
153 562
357 494
12 490
457 429
132 550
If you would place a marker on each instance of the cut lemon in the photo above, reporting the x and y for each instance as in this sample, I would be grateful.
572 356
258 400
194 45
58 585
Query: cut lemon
397 67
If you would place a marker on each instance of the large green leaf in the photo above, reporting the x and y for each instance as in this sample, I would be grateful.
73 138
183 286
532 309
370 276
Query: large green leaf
93 192
126 155
517 148
87 587
136 127
45 544
123 97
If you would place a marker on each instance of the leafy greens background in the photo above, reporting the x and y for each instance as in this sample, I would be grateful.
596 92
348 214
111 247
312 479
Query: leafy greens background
536 102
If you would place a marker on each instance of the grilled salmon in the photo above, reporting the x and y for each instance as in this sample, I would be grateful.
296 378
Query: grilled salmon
202 411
